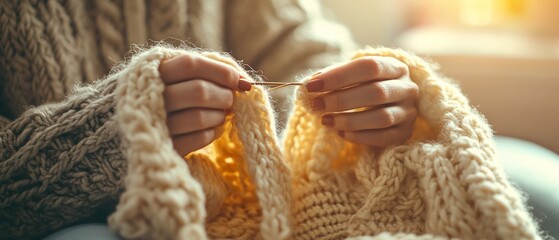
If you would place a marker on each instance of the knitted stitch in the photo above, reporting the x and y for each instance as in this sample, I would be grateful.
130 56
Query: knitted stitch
88 61
48 47
443 183
60 161
162 199
167 20
111 30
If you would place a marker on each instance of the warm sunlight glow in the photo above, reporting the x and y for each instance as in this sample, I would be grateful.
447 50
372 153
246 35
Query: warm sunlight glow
477 12
490 12
534 16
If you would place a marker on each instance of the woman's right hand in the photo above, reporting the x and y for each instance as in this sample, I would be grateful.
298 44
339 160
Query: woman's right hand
198 91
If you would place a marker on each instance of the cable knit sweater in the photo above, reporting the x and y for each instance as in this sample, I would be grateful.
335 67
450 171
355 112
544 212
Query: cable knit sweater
60 153
66 150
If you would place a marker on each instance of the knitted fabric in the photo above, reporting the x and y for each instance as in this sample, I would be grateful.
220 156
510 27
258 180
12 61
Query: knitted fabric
60 162
443 183
61 157
163 200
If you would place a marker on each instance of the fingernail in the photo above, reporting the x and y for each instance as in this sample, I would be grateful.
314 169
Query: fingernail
244 85
317 104
315 85
341 133
328 121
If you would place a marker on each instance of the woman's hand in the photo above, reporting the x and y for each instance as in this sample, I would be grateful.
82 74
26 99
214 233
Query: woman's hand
379 88
198 91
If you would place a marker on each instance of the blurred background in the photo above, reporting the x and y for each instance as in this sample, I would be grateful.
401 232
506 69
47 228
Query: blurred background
504 54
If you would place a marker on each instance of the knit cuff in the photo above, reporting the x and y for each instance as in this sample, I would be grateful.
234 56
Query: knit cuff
59 162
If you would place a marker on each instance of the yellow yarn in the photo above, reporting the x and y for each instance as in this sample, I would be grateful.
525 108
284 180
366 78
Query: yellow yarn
444 182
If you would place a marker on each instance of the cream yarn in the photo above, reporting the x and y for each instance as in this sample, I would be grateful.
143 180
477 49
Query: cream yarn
444 182
164 201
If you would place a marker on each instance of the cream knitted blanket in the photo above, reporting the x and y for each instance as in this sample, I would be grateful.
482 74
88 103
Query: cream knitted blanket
443 183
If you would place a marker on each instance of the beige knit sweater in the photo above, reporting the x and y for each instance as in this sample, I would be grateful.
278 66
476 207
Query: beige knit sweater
65 150
60 152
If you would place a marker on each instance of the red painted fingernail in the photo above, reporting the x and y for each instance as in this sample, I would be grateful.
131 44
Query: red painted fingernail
341 133
244 85
328 121
317 104
315 85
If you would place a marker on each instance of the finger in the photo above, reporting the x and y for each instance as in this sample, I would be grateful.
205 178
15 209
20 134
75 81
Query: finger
366 95
187 143
379 118
196 94
357 71
190 66
192 120
380 137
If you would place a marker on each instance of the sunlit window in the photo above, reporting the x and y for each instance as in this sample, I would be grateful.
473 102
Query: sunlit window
487 12
534 16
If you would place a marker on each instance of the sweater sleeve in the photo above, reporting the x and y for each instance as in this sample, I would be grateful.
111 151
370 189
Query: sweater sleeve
59 162
288 38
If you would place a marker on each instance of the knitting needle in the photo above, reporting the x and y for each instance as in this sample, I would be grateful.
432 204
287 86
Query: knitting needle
277 85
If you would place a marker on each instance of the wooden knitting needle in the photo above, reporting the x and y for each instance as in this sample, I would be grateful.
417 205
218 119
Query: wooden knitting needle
277 85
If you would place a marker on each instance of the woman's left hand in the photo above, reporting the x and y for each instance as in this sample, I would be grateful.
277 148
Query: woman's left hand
381 91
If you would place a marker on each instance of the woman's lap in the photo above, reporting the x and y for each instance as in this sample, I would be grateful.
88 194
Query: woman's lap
92 231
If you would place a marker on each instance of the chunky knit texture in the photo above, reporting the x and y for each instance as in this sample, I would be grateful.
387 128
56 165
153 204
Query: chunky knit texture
163 201
443 183
86 146
58 159
61 157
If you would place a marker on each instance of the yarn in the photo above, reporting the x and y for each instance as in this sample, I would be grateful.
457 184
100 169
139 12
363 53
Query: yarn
62 160
9 31
163 201
135 15
56 64
167 19
88 61
56 29
111 31
443 183
69 152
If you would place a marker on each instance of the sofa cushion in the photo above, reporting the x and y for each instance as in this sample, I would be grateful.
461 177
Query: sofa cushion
535 170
